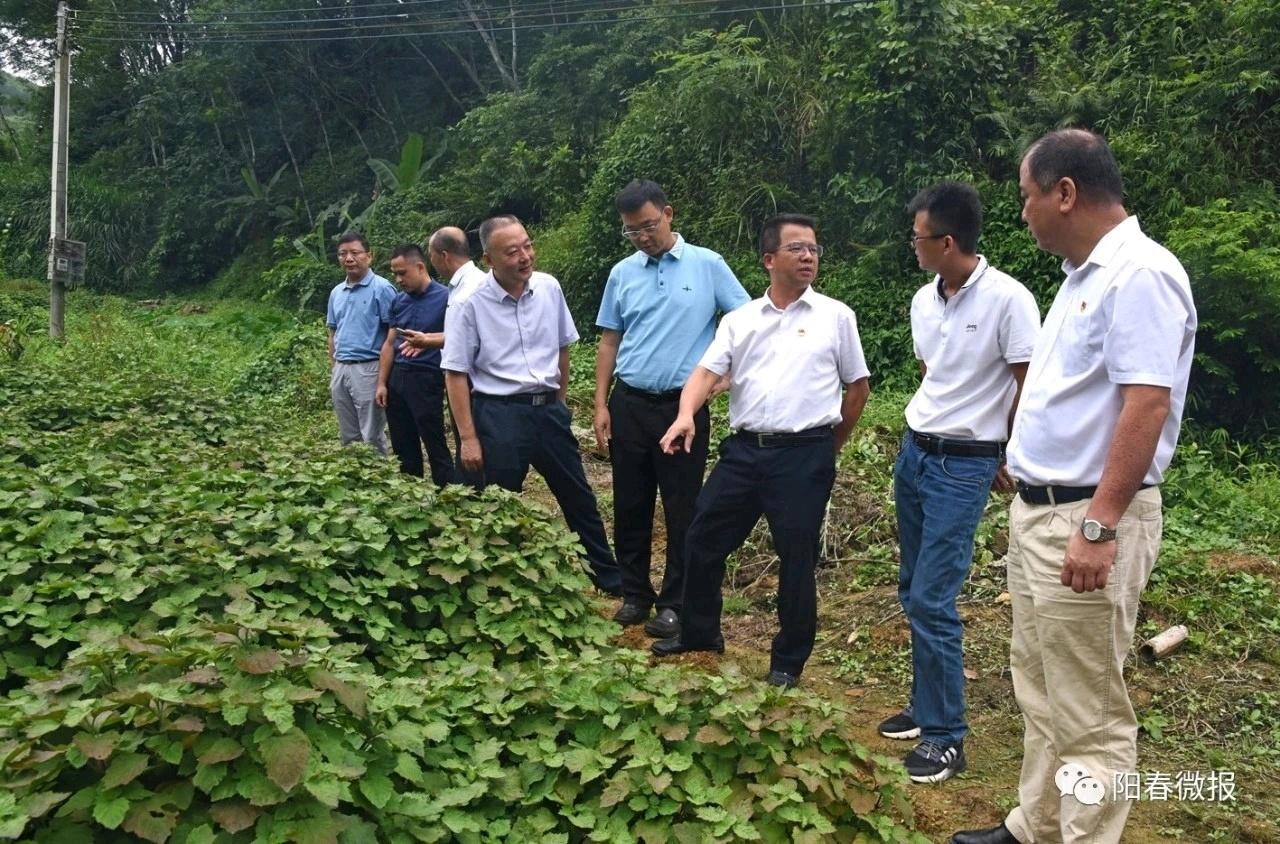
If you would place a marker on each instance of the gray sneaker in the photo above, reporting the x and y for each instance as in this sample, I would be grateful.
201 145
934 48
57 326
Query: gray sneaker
900 726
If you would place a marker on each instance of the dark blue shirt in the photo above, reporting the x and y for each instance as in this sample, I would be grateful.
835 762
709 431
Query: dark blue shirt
420 312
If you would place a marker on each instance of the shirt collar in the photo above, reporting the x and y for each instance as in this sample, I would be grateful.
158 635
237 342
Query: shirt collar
968 282
496 292
462 271
676 251
1105 250
368 277
807 297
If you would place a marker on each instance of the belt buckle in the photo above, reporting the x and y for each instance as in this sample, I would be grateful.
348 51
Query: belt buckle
539 400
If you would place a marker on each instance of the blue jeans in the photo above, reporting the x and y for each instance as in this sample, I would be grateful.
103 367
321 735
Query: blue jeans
939 500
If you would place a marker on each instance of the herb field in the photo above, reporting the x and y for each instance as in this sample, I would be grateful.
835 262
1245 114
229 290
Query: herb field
220 627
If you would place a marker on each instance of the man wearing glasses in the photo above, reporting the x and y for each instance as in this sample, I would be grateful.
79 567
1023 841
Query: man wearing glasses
973 328
800 382
657 317
359 313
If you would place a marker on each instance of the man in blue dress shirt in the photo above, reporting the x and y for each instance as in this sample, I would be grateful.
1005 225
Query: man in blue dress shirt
358 315
410 383
657 317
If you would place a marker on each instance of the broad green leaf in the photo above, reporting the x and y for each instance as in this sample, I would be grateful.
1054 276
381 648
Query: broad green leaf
286 758
110 811
124 768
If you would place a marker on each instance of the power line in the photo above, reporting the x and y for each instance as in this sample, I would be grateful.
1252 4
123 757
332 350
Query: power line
552 8
293 35
96 15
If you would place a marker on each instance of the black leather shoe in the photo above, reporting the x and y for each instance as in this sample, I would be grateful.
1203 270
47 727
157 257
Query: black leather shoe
664 625
782 679
629 614
996 835
673 646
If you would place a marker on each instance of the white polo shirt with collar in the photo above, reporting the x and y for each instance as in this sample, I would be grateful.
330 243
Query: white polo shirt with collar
788 365
967 344
1125 316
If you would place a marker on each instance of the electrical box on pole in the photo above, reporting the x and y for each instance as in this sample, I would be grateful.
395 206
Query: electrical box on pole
62 258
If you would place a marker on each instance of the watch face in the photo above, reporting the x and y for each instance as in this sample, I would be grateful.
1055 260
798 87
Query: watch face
1091 530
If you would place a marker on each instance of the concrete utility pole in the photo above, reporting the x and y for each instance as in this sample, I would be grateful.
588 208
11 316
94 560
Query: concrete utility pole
58 200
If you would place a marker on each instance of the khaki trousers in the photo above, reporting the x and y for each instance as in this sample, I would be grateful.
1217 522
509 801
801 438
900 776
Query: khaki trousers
1067 659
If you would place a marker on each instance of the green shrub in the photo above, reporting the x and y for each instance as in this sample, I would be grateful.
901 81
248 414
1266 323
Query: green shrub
253 723
300 282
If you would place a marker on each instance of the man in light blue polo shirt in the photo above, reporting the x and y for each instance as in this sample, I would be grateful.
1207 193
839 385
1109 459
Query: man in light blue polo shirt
358 315
658 317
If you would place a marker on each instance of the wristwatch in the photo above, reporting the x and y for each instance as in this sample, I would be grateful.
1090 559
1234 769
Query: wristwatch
1094 531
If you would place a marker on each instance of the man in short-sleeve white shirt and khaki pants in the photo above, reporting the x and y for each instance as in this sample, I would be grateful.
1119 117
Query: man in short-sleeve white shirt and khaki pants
1094 434
799 384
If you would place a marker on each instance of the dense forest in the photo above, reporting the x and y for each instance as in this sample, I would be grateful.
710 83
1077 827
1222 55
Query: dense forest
229 142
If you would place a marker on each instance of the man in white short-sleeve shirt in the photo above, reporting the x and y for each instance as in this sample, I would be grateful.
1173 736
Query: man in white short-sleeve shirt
973 328
1094 434
800 381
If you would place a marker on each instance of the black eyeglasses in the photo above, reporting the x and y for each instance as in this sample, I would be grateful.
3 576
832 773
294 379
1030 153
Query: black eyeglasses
915 237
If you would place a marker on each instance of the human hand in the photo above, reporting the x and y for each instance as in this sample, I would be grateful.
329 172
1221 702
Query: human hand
603 424
380 396
472 458
679 437
1087 565
1004 481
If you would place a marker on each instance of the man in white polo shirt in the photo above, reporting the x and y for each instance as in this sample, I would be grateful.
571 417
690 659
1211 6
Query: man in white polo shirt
973 328
800 382
1094 434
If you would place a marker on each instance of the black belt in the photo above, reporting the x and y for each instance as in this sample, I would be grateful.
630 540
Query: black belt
930 444
534 399
664 397
1043 495
762 440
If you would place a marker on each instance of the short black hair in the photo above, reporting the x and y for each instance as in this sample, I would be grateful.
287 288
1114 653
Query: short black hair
354 237
771 231
637 192
410 252
954 208
1082 156
491 225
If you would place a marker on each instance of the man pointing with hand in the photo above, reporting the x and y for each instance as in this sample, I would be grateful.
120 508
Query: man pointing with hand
800 381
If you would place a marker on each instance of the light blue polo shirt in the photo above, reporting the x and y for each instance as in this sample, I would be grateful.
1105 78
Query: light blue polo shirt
359 315
666 309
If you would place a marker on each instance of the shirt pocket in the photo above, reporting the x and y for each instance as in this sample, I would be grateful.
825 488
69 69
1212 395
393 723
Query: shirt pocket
1082 341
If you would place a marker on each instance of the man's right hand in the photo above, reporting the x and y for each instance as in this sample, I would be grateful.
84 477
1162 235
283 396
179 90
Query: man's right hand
603 424
380 395
472 459
679 437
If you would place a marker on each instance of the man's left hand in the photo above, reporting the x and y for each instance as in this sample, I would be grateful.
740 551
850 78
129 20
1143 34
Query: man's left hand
1087 565
1004 481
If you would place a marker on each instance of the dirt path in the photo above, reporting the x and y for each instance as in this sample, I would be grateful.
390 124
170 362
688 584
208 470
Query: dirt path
862 660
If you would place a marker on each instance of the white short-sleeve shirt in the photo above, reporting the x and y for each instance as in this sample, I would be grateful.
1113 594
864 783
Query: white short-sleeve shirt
967 344
788 365
1125 316
464 282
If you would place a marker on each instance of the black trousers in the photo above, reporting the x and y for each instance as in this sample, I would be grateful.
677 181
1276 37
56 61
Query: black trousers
640 472
790 486
513 437
415 415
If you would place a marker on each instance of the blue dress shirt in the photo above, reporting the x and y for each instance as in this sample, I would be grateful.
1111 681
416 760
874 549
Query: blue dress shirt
359 315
